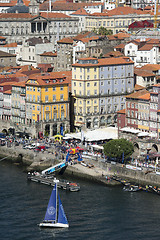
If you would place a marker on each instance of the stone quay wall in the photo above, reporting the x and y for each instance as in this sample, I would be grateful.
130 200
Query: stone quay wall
40 161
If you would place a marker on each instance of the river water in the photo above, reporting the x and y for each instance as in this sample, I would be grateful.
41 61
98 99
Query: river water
96 212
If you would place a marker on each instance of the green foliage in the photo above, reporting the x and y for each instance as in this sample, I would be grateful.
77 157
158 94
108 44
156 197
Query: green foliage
94 30
104 31
115 148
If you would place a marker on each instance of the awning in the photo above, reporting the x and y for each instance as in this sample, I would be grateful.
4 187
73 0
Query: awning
130 130
143 134
97 146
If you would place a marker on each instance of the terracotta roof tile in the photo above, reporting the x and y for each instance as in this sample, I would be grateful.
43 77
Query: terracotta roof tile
137 94
80 12
85 40
52 54
138 87
16 15
105 61
66 6
7 83
124 11
7 92
146 47
143 73
113 54
54 15
146 96
66 40
122 45
11 45
122 111
40 78
20 84
152 67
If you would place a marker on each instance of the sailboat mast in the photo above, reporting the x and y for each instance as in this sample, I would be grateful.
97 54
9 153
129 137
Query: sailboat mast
56 202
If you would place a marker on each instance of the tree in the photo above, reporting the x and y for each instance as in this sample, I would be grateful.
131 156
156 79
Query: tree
104 31
117 148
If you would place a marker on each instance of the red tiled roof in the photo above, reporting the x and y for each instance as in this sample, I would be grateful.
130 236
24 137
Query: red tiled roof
113 54
7 92
146 96
85 40
16 15
143 73
122 45
6 83
66 6
152 67
54 15
49 54
146 47
124 11
137 94
80 12
122 111
40 78
105 61
66 40
11 45
20 84
138 87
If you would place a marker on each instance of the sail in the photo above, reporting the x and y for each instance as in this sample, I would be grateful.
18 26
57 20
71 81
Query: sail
51 213
61 214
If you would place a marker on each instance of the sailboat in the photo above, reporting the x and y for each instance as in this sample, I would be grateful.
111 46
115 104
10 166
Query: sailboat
50 219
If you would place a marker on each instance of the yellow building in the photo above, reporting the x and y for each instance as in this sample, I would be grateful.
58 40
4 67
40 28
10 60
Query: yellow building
85 86
117 19
47 101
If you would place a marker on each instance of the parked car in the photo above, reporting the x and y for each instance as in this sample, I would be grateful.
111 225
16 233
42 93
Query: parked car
40 148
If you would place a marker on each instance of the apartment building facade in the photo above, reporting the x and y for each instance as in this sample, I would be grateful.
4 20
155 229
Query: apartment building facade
99 87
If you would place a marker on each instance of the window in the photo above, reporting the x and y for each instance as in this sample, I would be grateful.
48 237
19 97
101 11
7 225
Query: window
54 88
95 76
74 83
46 98
38 108
102 83
46 89
61 97
95 69
95 92
88 70
34 98
61 88
33 89
95 84
95 109
88 77
88 84
80 84
54 98
38 89
33 107
88 93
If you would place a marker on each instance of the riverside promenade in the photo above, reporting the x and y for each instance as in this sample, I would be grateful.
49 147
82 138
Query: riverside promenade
95 170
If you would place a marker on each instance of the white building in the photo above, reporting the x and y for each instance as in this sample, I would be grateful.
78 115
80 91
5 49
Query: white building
81 15
143 52
28 52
